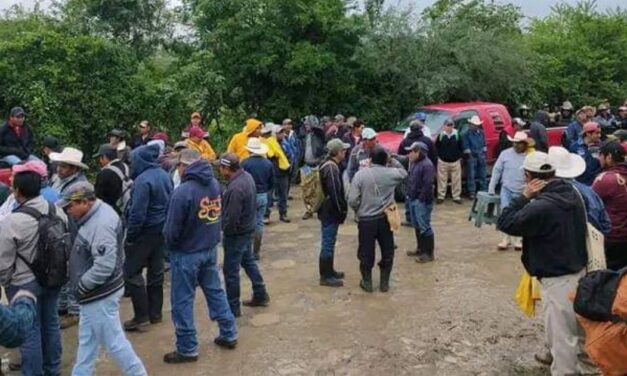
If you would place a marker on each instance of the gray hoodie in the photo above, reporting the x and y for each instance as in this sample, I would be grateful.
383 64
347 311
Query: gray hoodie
372 190
19 234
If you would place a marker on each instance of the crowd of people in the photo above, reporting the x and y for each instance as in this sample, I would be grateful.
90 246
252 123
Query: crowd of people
153 200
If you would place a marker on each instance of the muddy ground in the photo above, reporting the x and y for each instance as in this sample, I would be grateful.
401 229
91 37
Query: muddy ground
455 316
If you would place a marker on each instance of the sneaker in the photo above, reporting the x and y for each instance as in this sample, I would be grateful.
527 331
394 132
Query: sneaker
502 246
133 326
225 343
458 201
544 358
257 302
68 321
307 215
176 358
266 220
439 201
284 219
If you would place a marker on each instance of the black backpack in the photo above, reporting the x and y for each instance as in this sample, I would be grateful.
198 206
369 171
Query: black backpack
53 248
596 293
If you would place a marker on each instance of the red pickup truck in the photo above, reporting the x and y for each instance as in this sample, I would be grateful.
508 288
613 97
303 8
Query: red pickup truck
489 113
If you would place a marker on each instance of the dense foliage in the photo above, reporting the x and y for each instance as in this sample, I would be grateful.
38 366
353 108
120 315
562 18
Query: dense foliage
89 65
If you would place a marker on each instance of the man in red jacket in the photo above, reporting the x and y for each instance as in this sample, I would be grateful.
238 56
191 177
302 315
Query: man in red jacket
611 187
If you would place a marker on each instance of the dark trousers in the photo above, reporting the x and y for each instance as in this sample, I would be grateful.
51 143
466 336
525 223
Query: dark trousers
280 190
373 231
238 253
147 296
616 255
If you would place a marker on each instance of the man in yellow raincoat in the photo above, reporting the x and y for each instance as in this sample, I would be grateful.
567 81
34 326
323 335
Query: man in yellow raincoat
196 142
240 140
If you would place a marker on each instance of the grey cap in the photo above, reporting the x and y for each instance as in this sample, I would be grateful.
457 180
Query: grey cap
17 111
117 133
77 192
418 146
228 160
107 150
189 156
180 145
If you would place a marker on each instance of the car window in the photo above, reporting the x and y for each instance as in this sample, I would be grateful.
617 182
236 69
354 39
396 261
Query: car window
435 120
461 121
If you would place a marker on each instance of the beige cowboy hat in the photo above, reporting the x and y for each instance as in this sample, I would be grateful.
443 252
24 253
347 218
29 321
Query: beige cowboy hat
519 137
475 120
257 147
70 156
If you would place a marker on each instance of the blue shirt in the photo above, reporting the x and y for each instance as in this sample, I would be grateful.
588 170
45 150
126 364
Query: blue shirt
508 171
573 131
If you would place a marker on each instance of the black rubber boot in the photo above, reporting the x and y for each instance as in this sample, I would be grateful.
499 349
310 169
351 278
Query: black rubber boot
326 274
258 301
257 244
384 284
336 274
427 250
417 251
366 281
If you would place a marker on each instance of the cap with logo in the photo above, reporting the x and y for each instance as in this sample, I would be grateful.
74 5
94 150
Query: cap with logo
17 112
77 192
229 160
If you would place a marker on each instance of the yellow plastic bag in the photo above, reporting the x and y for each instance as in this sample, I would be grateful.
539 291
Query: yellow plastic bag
527 293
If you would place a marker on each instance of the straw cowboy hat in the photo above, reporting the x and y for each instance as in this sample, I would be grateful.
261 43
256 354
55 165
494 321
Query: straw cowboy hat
70 156
475 120
519 137
567 165
257 147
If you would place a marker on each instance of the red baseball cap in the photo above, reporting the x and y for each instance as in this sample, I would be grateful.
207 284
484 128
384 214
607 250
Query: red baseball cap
196 131
590 127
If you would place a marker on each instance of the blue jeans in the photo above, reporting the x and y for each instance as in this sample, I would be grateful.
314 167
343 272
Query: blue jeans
328 235
262 206
507 196
476 170
238 252
281 185
13 159
100 326
188 270
421 216
41 352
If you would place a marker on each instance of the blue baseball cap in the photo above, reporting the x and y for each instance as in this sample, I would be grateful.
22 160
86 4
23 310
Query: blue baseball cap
420 116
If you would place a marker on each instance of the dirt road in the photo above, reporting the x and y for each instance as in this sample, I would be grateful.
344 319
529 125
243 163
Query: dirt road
455 316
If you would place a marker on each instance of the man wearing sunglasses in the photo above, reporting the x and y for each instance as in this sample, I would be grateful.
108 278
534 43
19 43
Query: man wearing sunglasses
587 146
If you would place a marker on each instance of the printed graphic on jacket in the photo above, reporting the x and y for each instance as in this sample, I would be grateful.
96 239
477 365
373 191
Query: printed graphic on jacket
209 210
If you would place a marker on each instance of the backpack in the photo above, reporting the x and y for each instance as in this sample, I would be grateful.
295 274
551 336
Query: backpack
596 293
127 184
313 196
53 248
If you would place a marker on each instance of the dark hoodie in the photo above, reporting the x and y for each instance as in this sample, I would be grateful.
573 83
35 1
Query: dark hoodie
150 193
537 131
553 227
193 220
416 135
239 216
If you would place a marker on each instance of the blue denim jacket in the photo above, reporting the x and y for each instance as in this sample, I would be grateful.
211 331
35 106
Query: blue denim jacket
474 142
597 215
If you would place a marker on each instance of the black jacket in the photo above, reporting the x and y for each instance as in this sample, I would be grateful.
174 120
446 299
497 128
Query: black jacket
553 227
138 141
449 149
416 135
11 144
334 206
239 205
108 185
317 144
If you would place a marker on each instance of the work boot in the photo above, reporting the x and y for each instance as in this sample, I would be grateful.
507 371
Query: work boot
283 218
417 251
132 325
258 301
384 284
327 278
257 244
176 358
334 273
366 281
427 250
230 345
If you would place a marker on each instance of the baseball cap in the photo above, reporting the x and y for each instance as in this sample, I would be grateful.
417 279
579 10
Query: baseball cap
590 127
417 146
335 145
538 162
189 156
369 134
420 116
37 167
107 150
79 191
180 145
196 132
17 111
228 160
117 133
52 143
196 115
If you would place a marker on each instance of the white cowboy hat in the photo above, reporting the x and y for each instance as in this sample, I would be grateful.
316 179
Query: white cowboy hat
567 165
519 137
475 120
69 156
257 147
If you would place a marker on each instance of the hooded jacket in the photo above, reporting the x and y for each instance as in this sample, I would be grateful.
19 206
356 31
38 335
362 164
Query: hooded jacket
19 233
193 220
203 147
553 227
108 185
416 135
11 144
420 180
593 166
239 203
276 153
611 187
537 131
97 256
150 194
240 140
